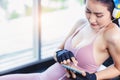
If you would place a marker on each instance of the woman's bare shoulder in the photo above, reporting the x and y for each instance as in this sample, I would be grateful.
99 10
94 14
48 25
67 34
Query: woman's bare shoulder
112 33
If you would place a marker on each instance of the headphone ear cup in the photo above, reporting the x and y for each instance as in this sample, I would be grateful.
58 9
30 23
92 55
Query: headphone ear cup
116 13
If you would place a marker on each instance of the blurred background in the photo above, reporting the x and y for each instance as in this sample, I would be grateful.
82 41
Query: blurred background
30 30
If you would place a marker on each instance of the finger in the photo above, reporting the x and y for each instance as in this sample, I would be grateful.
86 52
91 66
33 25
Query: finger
83 73
59 59
70 54
64 62
68 61
73 74
63 57
67 58
61 62
68 73
74 60
77 68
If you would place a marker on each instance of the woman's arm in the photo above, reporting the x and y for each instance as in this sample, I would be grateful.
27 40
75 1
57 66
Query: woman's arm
112 37
108 73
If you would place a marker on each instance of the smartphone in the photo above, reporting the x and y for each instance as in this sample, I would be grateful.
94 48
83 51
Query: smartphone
72 69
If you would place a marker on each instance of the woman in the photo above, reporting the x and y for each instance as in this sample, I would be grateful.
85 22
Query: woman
88 45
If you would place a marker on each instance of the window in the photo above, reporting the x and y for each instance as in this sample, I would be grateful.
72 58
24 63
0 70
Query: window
27 37
58 17
18 34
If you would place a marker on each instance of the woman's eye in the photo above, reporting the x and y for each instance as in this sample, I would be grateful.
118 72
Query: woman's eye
99 16
87 11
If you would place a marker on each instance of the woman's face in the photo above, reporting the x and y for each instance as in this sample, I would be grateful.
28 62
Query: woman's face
97 14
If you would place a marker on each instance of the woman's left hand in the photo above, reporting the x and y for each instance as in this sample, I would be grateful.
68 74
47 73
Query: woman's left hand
73 71
73 74
86 75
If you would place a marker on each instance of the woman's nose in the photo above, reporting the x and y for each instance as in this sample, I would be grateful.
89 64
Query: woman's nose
92 18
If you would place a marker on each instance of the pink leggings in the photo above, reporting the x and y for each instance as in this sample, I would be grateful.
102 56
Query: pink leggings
55 72
32 76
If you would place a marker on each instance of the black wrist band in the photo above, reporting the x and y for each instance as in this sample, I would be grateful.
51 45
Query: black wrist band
91 76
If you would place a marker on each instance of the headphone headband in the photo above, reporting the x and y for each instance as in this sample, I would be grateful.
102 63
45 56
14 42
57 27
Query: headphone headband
116 11
117 3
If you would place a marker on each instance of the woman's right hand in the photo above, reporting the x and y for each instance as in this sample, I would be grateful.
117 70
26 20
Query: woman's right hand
73 74
65 57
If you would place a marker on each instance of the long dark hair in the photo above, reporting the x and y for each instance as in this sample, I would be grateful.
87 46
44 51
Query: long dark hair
110 4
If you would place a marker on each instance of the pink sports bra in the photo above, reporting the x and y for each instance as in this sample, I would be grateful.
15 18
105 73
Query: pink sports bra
83 55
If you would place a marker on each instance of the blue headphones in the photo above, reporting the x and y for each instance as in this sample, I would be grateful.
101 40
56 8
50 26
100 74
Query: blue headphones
116 11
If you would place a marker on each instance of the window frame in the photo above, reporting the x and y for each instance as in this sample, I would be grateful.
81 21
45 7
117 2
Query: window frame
37 37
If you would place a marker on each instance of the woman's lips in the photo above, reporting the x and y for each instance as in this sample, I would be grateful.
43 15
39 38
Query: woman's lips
94 24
